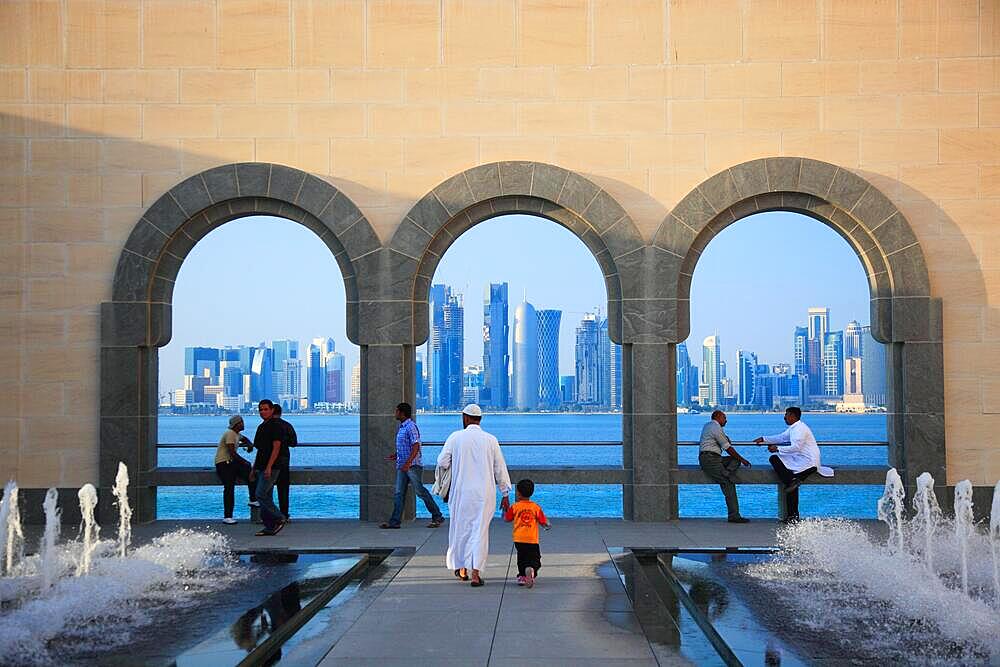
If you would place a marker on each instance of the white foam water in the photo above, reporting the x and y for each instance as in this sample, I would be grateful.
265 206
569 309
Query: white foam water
890 508
964 526
927 518
49 554
89 528
120 491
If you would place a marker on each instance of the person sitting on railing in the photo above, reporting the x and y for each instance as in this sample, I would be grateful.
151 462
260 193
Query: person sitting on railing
230 467
718 469
795 459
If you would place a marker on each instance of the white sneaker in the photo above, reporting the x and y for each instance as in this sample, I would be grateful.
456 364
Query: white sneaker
230 520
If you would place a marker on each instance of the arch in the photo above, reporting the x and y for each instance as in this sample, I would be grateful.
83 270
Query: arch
138 319
501 188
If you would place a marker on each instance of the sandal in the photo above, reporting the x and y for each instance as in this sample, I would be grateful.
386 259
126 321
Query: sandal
477 584
436 523
277 527
389 525
458 573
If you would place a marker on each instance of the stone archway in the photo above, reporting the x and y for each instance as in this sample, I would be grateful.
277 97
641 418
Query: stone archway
904 315
137 321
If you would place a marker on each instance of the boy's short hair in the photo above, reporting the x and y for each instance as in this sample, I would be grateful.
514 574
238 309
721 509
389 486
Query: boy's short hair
526 487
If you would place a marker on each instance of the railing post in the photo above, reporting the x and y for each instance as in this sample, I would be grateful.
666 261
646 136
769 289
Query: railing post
782 502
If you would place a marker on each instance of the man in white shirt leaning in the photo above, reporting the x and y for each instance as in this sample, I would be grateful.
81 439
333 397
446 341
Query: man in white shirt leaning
796 456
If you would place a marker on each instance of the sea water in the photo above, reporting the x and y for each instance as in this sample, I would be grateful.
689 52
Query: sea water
558 500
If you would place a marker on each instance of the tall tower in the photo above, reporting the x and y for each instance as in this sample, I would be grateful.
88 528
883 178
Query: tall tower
852 339
833 363
453 314
800 351
549 396
525 374
683 376
746 370
588 361
436 376
496 359
334 377
712 370
818 323
873 370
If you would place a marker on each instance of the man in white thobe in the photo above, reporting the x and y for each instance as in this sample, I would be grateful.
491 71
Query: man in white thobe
796 456
477 469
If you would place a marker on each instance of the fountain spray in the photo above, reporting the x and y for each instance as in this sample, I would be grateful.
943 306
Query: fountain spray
11 535
964 526
50 557
928 515
890 509
995 540
88 502
120 492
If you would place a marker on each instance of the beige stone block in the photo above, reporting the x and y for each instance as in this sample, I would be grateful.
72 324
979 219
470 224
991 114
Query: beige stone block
65 225
989 110
970 145
670 81
743 80
178 33
478 32
938 111
781 30
680 150
944 181
141 86
33 33
725 149
669 186
791 113
632 118
46 190
120 190
13 259
261 120
989 176
938 28
41 399
13 86
11 298
972 216
989 29
591 83
13 155
102 33
47 259
12 224
704 31
329 32
47 85
305 85
496 149
479 119
815 79
308 155
837 147
553 118
403 33
703 115
84 190
963 324
13 190
164 154
448 154
441 85
368 86
916 76
104 120
629 32
201 154
178 120
516 83
32 120
254 33
50 327
968 75
89 258
900 146
404 120
859 30
860 113
52 155
217 86
154 185
552 32
366 154
329 120
52 432
591 153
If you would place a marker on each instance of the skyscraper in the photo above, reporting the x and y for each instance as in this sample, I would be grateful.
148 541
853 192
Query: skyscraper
198 359
548 359
683 376
356 385
567 388
833 363
496 359
852 339
261 374
711 371
525 357
334 377
873 369
616 376
604 367
588 361
316 370
437 380
454 337
818 322
746 369
421 381
800 351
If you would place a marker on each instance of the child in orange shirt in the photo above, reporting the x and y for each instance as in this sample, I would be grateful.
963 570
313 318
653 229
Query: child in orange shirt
526 516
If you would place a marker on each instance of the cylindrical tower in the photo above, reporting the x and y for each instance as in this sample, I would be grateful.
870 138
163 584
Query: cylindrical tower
525 357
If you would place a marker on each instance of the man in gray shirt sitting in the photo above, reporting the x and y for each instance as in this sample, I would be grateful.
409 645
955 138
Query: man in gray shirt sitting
721 470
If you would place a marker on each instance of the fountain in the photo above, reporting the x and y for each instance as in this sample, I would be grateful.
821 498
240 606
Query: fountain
890 508
90 529
11 534
995 540
927 516
49 554
964 526
120 492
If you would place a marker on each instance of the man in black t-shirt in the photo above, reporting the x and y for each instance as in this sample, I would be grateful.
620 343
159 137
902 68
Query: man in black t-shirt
272 457
285 480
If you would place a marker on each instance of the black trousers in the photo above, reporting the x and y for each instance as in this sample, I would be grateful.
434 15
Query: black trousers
787 476
284 482
237 470
528 555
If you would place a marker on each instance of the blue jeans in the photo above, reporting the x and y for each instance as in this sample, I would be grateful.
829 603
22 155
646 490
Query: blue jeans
403 480
269 512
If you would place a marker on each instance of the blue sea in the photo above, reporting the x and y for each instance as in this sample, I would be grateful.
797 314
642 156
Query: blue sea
557 500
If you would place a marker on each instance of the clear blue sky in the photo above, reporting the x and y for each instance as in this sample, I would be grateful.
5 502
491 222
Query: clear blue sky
752 285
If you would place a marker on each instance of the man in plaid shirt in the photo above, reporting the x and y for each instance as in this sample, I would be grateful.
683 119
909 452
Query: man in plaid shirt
409 468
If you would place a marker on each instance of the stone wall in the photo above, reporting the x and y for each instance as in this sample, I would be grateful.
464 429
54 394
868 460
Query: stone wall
107 105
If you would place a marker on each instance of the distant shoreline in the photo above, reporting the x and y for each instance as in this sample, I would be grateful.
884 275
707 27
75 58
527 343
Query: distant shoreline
487 413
